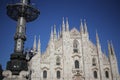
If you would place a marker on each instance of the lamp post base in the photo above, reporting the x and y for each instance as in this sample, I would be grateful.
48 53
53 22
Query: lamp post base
22 76
17 63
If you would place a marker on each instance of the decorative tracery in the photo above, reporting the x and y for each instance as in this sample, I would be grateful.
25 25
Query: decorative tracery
95 74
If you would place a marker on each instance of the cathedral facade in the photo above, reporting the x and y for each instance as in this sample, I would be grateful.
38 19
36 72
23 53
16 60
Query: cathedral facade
71 55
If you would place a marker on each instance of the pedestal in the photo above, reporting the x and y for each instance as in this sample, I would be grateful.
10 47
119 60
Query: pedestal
22 76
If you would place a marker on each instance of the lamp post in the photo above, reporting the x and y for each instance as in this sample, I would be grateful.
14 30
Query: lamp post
21 12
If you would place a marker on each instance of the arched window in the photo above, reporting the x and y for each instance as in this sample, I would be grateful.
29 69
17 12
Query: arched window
58 74
94 61
106 74
44 74
75 46
76 64
58 60
95 74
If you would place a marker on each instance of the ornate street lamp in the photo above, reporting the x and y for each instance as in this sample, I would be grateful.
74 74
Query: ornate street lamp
21 12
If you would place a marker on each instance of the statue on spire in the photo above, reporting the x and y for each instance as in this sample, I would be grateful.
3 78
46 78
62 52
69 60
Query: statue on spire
85 27
34 45
81 27
63 25
67 25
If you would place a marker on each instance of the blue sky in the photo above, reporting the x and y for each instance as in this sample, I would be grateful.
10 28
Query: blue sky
101 15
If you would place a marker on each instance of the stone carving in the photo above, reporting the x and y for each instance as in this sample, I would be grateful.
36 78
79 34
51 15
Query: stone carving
7 74
23 74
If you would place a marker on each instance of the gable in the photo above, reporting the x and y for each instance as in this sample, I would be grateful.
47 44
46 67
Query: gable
74 33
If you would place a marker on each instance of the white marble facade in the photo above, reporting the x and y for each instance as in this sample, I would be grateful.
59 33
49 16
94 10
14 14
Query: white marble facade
71 55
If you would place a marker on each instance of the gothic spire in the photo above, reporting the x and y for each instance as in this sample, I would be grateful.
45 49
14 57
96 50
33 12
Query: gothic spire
51 36
98 42
85 26
112 59
109 48
97 38
55 35
54 29
60 32
81 26
67 25
100 55
34 45
63 25
112 49
39 45
58 35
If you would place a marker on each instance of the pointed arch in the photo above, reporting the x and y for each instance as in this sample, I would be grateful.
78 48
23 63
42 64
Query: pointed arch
58 75
106 74
75 46
44 74
95 74
106 70
76 64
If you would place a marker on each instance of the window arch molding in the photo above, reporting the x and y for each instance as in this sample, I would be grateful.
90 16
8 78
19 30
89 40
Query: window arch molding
76 62
94 61
45 74
58 74
95 73
58 60
107 73
75 46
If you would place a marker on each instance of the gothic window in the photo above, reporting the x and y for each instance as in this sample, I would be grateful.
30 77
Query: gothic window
76 64
75 46
94 61
44 74
58 60
106 74
95 74
58 74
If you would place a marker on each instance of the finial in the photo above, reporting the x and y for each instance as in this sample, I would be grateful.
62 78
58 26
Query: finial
51 36
63 25
54 29
67 24
112 48
85 26
60 31
39 44
97 37
109 47
81 26
34 45
108 42
111 43
55 35
58 34
25 1
63 21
